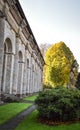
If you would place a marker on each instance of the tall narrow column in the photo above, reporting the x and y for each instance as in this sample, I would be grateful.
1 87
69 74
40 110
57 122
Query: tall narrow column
24 77
8 74
2 23
20 74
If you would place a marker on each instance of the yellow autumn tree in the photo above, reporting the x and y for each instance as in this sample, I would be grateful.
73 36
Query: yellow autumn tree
59 60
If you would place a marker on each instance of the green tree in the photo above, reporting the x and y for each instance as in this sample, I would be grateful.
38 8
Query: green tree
59 60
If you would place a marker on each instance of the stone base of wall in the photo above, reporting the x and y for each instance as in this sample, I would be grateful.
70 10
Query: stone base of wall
1 102
9 98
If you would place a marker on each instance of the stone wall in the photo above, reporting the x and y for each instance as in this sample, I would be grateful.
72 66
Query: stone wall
21 62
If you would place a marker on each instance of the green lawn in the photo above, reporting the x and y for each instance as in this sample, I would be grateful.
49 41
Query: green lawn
31 98
31 123
10 110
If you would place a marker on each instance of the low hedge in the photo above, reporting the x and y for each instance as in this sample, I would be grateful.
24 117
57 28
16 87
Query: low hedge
59 104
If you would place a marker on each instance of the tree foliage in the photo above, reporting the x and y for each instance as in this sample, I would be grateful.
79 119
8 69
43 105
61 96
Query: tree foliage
59 60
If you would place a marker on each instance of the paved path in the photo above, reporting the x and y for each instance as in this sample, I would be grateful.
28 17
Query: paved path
11 125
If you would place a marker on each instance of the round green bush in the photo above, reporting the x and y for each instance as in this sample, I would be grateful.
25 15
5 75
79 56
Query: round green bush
59 104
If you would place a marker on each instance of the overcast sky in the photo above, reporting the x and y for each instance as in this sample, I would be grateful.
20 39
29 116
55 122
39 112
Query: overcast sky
55 20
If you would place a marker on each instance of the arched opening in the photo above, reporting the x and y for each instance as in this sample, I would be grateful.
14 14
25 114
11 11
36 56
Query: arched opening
20 63
32 67
7 66
20 56
27 63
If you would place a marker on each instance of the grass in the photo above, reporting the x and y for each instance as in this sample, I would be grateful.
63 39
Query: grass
31 123
31 98
10 110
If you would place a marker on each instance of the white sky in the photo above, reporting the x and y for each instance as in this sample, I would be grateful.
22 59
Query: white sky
55 20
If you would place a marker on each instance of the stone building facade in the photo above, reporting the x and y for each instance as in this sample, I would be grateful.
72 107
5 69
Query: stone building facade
21 62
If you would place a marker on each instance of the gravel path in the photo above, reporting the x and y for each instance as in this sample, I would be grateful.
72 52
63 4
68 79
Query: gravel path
11 124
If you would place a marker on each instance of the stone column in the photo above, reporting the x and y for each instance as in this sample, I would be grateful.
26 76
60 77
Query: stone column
41 79
20 78
30 80
11 80
4 73
8 74
21 92
1 49
30 76
36 78
33 81
40 88
24 76
33 87
1 63
15 72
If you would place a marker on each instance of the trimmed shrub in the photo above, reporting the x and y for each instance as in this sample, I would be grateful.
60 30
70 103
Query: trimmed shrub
59 104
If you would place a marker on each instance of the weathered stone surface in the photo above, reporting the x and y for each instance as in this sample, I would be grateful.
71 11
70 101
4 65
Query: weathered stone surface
20 59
